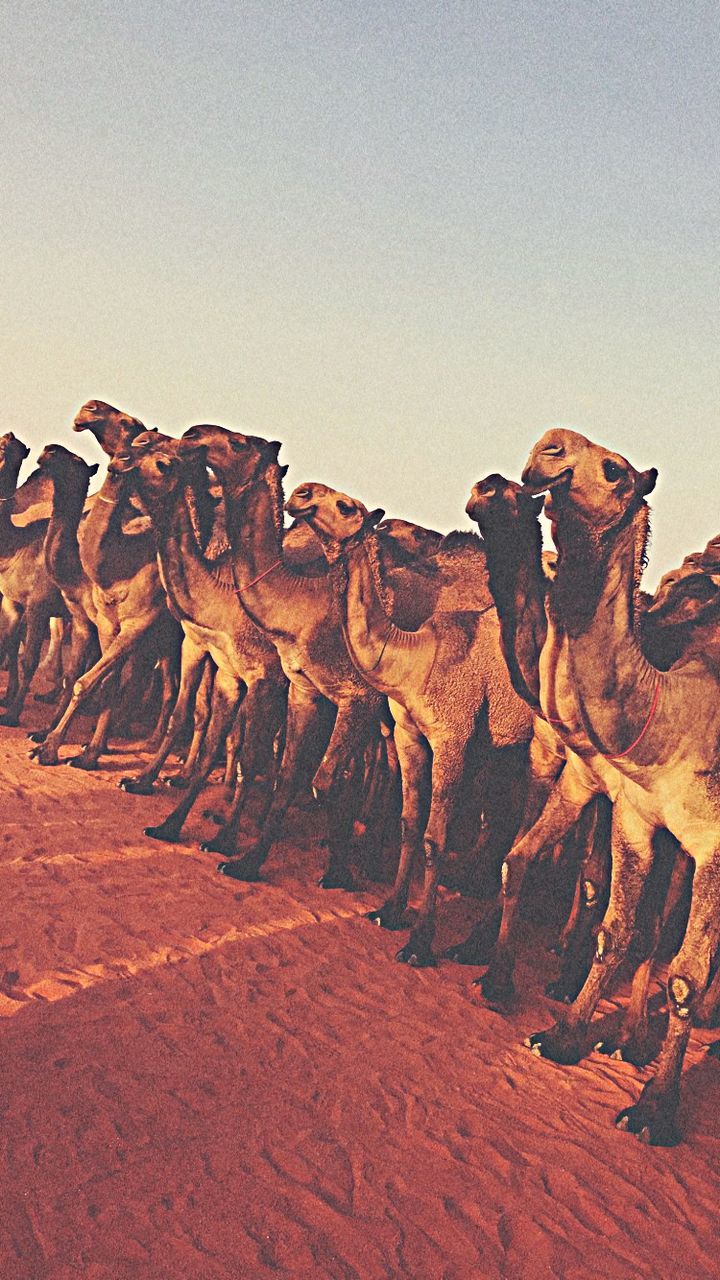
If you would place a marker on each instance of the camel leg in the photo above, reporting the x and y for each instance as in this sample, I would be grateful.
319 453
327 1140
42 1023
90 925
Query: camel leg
632 859
97 746
52 664
653 1117
36 622
11 628
264 709
592 888
194 667
116 652
415 761
306 737
340 778
168 698
80 642
563 808
201 719
227 692
447 778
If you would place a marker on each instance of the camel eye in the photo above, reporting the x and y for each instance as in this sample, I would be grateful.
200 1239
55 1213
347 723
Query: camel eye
612 471
345 508
555 450
162 465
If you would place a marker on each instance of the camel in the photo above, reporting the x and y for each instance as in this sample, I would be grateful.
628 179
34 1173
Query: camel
201 596
69 477
29 596
299 612
508 518
128 601
449 694
658 730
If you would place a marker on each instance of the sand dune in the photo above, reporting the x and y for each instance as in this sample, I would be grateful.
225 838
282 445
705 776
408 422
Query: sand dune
210 1080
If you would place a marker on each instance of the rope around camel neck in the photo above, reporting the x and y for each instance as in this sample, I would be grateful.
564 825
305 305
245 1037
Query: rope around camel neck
264 574
618 755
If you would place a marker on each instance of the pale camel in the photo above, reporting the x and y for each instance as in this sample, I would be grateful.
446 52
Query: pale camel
29 596
201 596
449 694
128 600
659 730
533 645
300 614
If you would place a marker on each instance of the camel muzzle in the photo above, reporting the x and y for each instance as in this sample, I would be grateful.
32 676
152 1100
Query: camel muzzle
535 482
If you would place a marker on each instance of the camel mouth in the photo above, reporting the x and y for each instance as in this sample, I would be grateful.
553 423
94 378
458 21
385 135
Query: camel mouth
298 511
535 483
121 463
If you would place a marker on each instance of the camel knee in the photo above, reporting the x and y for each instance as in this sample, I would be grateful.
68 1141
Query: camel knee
512 874
432 855
612 942
687 981
590 894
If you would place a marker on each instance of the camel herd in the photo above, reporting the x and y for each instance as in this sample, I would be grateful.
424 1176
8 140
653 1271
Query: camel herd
527 700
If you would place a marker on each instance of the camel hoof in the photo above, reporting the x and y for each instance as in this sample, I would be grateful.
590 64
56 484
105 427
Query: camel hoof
88 763
9 721
651 1119
167 834
217 844
212 815
560 991
174 782
44 754
417 954
498 990
38 735
48 698
337 880
474 950
713 1050
561 1043
136 786
241 869
389 916
638 1052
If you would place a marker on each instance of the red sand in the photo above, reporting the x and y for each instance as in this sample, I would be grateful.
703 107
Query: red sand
215 1081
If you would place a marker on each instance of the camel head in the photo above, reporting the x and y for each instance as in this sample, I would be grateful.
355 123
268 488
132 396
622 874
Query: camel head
585 479
57 461
112 428
497 504
335 517
235 458
12 455
414 539
684 597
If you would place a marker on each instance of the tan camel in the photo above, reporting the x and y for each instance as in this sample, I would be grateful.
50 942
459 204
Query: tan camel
449 695
29 596
533 647
201 595
299 612
127 596
659 730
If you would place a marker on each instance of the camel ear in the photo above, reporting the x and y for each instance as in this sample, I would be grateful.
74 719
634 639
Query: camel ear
274 447
373 518
93 468
646 482
284 470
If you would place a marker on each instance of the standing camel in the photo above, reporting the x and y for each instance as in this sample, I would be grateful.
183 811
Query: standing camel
300 614
449 695
201 596
659 730
29 596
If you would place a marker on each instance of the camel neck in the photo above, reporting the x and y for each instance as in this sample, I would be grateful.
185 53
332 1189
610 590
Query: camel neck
594 599
275 596
107 554
62 554
10 535
518 586
381 651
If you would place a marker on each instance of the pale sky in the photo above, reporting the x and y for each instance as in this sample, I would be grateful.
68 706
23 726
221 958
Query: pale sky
403 238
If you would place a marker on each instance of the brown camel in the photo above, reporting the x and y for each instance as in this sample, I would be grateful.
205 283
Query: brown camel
127 596
201 595
299 612
659 730
69 478
29 596
449 695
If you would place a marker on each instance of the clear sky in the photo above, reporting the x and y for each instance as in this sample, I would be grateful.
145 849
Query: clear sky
403 238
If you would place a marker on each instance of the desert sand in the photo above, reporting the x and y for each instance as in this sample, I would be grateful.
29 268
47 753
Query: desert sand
214 1080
